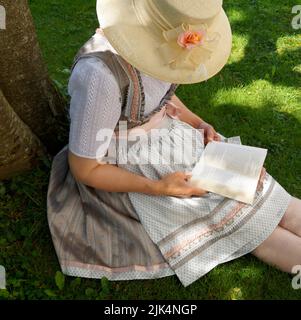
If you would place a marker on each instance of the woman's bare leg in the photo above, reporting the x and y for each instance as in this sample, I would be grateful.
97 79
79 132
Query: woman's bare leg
282 249
292 218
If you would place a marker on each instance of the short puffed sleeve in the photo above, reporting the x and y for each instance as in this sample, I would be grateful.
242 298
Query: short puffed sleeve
95 107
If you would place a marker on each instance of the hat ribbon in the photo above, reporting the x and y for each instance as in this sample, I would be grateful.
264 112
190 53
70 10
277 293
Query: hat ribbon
188 46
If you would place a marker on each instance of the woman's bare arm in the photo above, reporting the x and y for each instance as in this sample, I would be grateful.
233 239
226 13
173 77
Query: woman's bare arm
111 178
100 176
187 115
115 179
195 121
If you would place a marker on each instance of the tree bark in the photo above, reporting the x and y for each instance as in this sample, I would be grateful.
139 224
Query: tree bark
24 79
20 148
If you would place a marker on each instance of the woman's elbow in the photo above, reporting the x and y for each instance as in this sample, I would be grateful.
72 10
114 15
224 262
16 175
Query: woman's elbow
80 167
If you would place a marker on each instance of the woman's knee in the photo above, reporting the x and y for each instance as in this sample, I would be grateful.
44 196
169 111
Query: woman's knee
281 249
265 248
292 217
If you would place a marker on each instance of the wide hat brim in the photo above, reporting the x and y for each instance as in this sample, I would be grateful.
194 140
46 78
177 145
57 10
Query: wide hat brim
138 44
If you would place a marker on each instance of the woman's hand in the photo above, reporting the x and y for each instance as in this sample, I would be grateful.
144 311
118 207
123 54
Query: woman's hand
177 185
261 179
209 132
186 115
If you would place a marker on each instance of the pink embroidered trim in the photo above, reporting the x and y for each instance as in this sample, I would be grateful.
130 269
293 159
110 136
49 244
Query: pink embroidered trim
155 121
74 264
207 231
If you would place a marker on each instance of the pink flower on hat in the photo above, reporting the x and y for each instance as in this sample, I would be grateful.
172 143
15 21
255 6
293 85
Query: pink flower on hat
191 39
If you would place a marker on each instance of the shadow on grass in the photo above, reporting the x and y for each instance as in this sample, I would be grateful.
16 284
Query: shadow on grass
24 229
26 249
264 24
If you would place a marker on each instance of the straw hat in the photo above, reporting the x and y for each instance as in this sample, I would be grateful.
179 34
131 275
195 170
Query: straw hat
177 41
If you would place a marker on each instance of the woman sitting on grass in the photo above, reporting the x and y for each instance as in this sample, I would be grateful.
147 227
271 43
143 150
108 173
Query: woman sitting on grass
142 219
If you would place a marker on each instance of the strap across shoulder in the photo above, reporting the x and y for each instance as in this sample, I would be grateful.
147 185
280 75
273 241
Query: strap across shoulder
128 79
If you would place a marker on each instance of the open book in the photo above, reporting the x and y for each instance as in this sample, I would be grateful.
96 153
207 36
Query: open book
230 169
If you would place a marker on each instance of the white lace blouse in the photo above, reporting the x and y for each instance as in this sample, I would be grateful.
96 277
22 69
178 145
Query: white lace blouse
96 103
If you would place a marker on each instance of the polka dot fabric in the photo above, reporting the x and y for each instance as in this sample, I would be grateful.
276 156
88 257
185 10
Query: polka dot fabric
197 234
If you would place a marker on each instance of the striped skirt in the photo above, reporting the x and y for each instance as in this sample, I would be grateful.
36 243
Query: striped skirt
125 236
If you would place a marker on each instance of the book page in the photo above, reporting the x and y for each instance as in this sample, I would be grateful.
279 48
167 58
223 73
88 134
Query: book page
233 140
231 170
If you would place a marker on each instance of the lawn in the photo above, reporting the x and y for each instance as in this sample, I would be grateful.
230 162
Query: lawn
256 96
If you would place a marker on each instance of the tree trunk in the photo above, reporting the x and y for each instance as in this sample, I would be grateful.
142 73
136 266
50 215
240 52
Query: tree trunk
24 80
20 148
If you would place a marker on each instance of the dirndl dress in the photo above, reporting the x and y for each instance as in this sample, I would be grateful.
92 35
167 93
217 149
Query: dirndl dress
155 236
125 236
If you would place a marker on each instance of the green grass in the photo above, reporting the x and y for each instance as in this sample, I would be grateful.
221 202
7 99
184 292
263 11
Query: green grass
256 96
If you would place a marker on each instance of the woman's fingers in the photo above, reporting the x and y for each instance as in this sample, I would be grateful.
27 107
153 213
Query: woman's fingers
194 191
177 184
261 179
210 134
217 137
197 192
188 176
179 174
